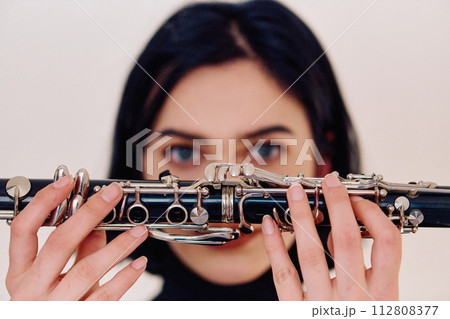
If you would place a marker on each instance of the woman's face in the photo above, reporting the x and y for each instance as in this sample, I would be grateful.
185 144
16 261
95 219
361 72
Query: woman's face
225 100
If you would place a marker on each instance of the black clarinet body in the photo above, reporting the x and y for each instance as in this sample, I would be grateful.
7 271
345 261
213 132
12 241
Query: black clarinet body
232 196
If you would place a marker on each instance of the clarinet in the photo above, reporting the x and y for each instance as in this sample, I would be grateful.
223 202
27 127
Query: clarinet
235 196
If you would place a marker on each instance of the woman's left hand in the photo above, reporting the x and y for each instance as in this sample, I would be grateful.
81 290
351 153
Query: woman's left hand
353 281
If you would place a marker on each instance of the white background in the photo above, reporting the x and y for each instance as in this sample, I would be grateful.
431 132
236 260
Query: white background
61 78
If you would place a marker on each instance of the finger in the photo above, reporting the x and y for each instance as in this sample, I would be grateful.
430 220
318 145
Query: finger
349 260
92 243
91 269
121 282
311 255
386 249
63 241
330 245
285 276
24 242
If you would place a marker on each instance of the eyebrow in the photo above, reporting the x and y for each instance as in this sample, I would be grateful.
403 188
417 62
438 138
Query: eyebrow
263 131
172 132
267 130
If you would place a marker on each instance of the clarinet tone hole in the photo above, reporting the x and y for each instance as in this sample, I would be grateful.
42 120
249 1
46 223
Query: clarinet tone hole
137 214
176 214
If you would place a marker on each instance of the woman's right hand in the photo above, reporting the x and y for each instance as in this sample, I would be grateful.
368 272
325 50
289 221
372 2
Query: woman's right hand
353 281
37 276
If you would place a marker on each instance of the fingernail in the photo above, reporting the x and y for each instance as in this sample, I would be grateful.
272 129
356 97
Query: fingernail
63 181
111 192
356 198
139 263
332 181
138 231
296 192
267 225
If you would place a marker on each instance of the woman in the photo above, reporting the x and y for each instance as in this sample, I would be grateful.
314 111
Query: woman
223 66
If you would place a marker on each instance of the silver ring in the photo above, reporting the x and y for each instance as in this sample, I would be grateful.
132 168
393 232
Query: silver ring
176 206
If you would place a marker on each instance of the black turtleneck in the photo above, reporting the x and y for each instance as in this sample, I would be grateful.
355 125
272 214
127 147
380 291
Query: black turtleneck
180 283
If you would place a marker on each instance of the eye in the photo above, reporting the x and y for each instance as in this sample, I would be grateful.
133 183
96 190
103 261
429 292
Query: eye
181 154
268 151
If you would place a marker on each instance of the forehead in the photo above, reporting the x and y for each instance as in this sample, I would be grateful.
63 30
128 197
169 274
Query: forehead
226 99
